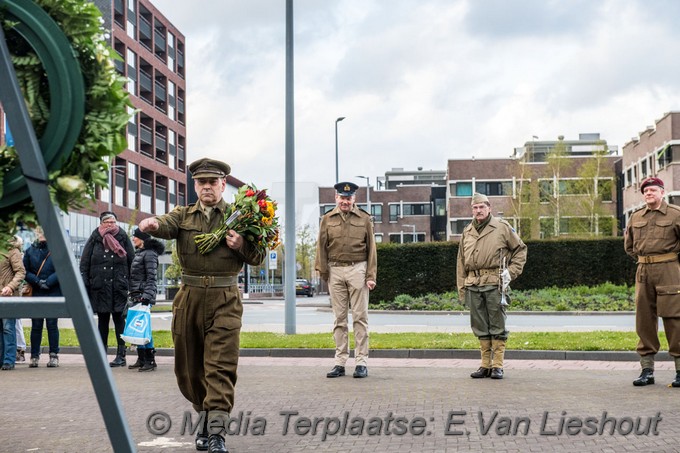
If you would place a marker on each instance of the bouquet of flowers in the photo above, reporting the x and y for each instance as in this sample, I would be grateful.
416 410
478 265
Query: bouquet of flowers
254 218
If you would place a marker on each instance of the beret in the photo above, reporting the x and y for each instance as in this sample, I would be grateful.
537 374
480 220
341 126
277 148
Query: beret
651 182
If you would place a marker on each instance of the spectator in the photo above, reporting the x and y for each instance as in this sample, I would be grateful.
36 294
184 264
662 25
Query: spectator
12 273
143 288
42 275
105 268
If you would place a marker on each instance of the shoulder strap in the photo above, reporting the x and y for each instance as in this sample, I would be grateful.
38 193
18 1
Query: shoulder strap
43 263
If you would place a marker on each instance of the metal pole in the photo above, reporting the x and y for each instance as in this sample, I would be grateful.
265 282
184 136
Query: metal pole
337 178
290 267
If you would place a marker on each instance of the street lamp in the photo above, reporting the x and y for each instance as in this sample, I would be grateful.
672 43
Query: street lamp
336 148
415 238
368 193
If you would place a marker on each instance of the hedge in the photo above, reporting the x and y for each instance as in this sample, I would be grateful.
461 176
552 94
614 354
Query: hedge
430 267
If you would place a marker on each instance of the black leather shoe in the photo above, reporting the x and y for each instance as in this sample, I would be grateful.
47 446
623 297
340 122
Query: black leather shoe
481 373
496 373
646 378
360 371
201 441
676 382
216 444
337 371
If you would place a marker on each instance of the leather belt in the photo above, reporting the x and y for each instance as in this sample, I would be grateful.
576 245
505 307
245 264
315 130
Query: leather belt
651 259
479 272
210 281
342 263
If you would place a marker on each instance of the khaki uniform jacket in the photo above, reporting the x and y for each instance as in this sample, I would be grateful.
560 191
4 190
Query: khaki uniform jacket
654 232
184 223
346 240
12 271
482 251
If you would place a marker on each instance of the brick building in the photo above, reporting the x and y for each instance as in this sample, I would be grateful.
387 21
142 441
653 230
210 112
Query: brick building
656 152
538 198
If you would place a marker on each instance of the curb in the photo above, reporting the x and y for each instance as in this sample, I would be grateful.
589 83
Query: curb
452 354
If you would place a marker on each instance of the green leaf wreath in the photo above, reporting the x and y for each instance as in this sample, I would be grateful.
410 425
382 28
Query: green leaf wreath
106 110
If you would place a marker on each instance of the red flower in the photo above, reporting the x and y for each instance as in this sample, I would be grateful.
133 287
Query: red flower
262 203
250 193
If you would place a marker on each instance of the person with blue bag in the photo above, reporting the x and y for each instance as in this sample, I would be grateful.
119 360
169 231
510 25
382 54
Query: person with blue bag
143 288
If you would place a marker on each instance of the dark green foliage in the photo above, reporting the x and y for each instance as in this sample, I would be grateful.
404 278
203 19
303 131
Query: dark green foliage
430 268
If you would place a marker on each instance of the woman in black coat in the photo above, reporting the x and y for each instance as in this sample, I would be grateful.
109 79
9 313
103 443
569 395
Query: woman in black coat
143 288
105 268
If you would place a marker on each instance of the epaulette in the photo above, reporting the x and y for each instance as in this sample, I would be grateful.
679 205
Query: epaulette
675 207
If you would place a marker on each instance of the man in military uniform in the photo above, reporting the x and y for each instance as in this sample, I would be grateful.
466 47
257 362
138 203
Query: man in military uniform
207 310
346 258
487 244
653 239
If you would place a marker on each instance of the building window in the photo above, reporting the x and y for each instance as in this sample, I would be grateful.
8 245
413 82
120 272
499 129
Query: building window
405 237
439 207
394 212
131 60
417 209
133 185
664 157
494 188
604 189
376 212
629 177
464 189
457 226
325 209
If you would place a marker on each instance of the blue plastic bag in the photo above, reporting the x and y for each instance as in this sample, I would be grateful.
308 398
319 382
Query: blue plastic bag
138 325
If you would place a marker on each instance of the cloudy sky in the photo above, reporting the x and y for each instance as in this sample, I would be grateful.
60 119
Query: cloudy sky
419 81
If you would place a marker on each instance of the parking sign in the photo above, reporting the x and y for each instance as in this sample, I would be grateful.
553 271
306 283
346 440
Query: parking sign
273 255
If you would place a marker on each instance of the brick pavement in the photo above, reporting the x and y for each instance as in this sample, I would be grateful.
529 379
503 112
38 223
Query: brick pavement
54 410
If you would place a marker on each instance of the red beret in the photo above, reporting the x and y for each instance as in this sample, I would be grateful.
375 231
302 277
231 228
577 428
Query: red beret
651 182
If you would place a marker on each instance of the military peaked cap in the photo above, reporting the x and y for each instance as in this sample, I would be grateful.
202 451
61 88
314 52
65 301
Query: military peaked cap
346 189
209 168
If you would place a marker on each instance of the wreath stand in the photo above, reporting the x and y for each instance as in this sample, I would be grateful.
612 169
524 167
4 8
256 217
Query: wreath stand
66 119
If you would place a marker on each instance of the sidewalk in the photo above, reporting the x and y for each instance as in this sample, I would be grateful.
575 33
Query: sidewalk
405 405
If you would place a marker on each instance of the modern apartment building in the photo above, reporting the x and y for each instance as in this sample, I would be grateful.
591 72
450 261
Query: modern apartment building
655 152
546 189
149 177
409 212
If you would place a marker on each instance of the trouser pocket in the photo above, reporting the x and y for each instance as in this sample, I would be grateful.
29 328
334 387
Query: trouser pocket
668 301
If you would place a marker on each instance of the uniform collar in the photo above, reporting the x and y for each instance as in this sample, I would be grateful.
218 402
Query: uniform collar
337 211
197 207
663 208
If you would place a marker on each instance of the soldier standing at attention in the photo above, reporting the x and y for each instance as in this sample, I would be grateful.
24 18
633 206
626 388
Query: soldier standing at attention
346 258
653 239
486 244
207 310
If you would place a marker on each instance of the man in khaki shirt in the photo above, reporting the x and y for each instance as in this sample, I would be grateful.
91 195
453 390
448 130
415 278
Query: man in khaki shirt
487 244
207 310
346 258
653 239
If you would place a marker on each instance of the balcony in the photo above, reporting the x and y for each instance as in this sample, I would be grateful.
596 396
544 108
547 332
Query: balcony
160 92
145 135
159 44
161 143
145 33
145 84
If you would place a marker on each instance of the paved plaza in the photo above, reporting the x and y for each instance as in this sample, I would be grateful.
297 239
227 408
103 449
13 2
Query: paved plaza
286 404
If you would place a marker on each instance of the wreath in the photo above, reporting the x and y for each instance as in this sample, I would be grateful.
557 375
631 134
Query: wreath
75 174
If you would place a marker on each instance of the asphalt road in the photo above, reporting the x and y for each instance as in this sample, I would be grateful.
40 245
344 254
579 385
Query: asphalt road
314 315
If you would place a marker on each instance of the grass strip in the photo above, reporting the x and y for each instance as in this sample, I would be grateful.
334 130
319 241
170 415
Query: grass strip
558 341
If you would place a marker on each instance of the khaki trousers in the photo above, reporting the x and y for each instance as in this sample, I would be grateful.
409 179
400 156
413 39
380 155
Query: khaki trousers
348 290
648 279
487 315
206 326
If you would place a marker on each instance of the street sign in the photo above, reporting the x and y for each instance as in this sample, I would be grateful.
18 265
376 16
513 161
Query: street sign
273 255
